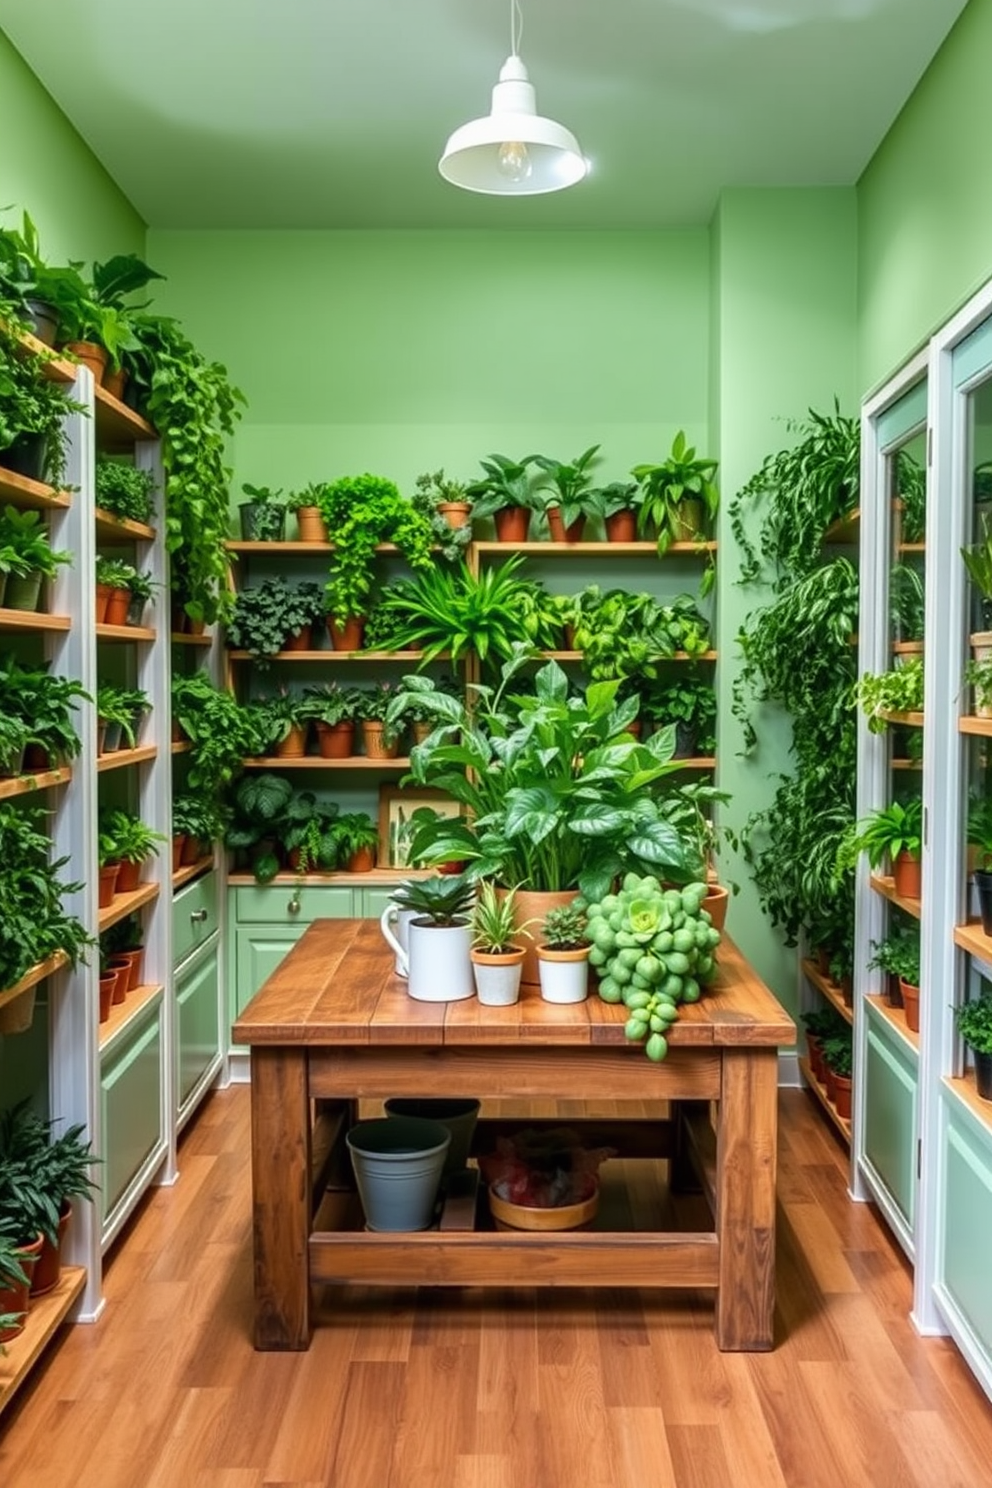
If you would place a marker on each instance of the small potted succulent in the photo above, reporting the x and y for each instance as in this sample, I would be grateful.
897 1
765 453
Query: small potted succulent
563 954
497 960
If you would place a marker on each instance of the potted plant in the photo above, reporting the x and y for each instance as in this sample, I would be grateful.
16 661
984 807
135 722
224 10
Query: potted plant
32 560
894 832
220 731
897 691
979 833
436 493
820 1024
311 527
497 960
259 821
123 491
125 941
358 841
263 515
141 589
129 842
909 981
977 559
113 592
616 504
311 834
507 493
272 616
838 1060
680 497
33 423
978 676
563 954
974 1024
543 1179
279 726
453 612
14 1287
64 1174
437 960
42 706
332 709
198 821
360 512
380 736
568 499
687 703
115 714
898 955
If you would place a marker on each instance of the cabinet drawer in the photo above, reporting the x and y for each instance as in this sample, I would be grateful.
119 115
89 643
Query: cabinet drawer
194 916
271 905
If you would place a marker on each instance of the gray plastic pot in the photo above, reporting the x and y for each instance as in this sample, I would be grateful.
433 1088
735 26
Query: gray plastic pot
398 1162
459 1116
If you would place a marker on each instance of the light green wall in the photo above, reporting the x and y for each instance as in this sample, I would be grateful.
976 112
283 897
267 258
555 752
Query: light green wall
784 278
403 351
47 168
925 210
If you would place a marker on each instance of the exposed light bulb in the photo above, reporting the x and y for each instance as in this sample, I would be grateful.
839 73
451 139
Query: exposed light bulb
513 161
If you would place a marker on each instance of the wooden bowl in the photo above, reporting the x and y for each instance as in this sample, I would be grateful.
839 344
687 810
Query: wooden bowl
509 1216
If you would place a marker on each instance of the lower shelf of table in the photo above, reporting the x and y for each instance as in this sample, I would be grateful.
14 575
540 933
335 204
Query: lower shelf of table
45 1317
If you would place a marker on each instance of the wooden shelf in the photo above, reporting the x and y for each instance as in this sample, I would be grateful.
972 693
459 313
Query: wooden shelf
125 904
906 764
181 746
896 1016
538 549
969 724
696 762
907 720
190 871
119 759
844 531
123 1013
33 620
336 656
828 989
121 527
907 648
680 656
240 545
972 938
125 633
920 547
886 888
318 762
117 426
23 785
46 1315
820 1091
34 976
18 490
185 638
966 1090
56 368
376 876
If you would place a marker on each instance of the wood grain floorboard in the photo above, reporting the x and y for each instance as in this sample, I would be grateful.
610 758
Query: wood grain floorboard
504 1389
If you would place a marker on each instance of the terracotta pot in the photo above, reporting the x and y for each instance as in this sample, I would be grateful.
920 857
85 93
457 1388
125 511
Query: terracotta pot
421 731
48 1267
336 740
815 1057
193 851
37 757
122 970
456 866
830 1080
302 641
195 627
89 354
823 960
113 382
129 877
715 904
455 513
512 524
362 861
178 843
533 904
621 527
178 620
133 960
374 741
559 532
108 986
294 746
911 1005
907 876
346 636
16 1298
108 882
103 593
312 527
842 1096
118 604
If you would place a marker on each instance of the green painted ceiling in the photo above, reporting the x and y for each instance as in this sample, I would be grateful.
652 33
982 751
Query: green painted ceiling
333 113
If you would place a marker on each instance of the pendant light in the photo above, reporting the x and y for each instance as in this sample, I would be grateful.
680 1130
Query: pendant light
513 151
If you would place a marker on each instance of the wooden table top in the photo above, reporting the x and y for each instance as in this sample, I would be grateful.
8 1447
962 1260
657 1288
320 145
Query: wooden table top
337 986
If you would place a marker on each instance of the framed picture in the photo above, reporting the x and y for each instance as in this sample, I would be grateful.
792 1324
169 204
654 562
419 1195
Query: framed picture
396 808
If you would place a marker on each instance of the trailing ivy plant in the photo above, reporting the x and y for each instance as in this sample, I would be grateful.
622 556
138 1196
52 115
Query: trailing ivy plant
897 691
361 511
194 407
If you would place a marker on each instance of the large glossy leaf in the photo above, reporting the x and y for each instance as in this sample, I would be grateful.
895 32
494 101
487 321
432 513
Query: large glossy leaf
599 820
658 842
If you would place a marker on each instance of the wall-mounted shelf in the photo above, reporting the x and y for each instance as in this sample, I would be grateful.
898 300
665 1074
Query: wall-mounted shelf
896 1017
907 720
846 532
42 1323
121 529
842 1125
119 759
336 656
318 762
189 871
31 978
33 620
117 426
123 1013
969 724
829 989
887 889
125 904
19 490
125 633
972 938
186 638
35 780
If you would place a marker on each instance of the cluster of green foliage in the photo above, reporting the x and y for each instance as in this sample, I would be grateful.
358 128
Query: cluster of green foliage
123 837
123 706
37 708
974 1023
272 819
899 954
444 900
220 731
25 547
196 814
123 490
265 616
360 512
39 1173
33 923
897 691
32 404
688 702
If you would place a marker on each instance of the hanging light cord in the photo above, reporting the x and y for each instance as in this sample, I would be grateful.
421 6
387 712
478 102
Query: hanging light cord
516 27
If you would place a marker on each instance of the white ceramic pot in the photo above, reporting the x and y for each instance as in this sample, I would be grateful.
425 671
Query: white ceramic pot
564 974
436 961
497 978
398 921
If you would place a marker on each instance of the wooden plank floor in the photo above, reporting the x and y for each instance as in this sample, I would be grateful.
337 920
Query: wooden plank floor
498 1390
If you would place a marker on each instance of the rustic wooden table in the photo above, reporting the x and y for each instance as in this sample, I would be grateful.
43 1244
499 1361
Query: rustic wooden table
334 1025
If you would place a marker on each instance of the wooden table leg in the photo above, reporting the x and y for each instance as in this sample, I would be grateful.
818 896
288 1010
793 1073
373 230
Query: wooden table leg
747 1151
280 1176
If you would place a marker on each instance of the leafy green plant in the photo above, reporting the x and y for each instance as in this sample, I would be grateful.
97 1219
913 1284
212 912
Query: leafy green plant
312 832
14 739
33 404
681 476
457 612
445 900
494 920
431 490
124 935
328 703
897 691
24 533
803 489
506 483
263 515
116 573
356 832
977 560
907 601
565 927
33 923
912 483
617 496
266 615
124 837
974 1023
838 1054
362 511
628 636
123 706
259 819
41 704
978 674
688 702
195 814
885 833
979 831
39 1172
899 955
568 484
557 793
123 490
221 732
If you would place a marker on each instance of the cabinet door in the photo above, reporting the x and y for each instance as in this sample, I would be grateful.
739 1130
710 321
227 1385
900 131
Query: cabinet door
891 1115
131 1087
198 1039
371 902
258 951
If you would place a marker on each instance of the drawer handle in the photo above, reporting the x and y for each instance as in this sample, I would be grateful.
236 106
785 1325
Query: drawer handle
197 916
293 907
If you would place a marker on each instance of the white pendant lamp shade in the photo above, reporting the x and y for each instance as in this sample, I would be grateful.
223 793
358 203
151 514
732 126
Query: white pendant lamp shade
513 151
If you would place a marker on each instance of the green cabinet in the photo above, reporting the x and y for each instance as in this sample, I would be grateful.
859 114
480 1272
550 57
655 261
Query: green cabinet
891 1117
198 1034
194 917
265 922
966 1217
132 1107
